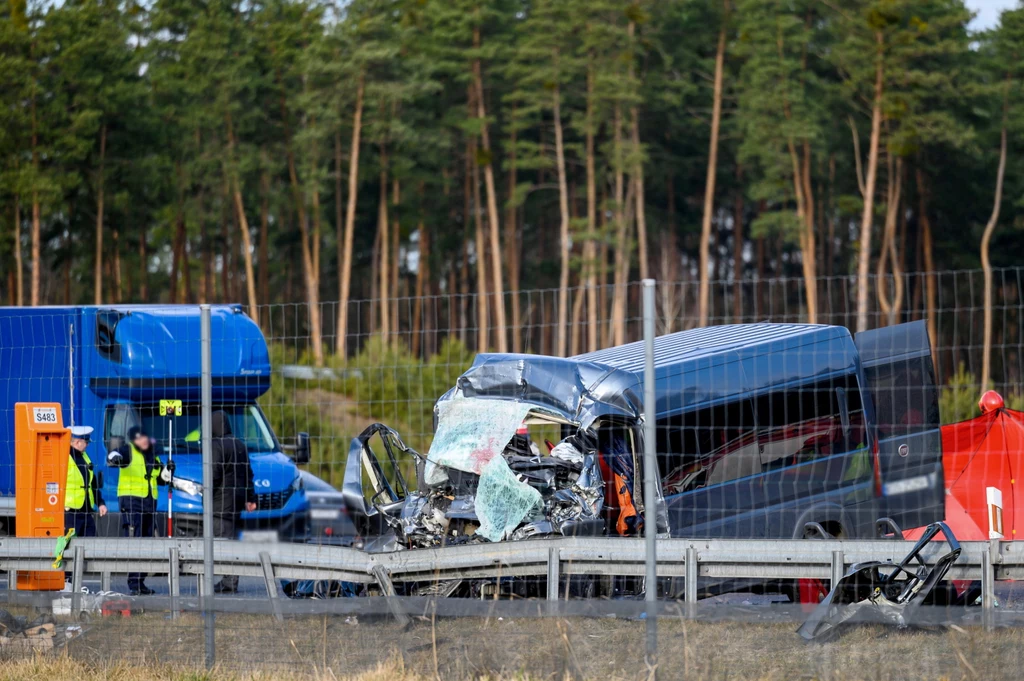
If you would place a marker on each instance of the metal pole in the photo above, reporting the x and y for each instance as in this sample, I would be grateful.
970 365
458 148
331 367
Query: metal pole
650 479
206 426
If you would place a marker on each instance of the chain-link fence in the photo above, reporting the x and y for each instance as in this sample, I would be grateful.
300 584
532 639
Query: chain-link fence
395 485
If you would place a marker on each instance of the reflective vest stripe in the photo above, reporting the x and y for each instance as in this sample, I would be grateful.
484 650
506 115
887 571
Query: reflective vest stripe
133 480
74 497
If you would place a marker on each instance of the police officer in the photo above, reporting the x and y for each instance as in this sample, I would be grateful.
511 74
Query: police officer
82 495
141 472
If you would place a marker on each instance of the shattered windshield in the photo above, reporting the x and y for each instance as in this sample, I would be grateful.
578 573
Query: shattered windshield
471 436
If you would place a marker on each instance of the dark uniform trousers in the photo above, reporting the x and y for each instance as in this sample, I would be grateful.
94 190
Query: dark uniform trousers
137 514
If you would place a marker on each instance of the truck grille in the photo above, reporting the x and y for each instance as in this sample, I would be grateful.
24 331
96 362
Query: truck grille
273 500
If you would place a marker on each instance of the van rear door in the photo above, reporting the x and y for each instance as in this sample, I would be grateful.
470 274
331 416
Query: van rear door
898 367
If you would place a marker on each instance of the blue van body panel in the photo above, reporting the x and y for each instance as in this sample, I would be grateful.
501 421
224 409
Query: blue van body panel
735 364
153 354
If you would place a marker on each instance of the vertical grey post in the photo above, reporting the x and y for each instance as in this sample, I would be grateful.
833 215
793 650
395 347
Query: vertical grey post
690 583
77 572
554 565
988 590
206 426
650 478
838 567
174 581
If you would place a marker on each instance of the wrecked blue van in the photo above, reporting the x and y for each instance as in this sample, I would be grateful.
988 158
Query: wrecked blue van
763 431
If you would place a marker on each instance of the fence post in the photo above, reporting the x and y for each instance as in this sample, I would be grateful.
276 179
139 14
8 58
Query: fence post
206 426
650 480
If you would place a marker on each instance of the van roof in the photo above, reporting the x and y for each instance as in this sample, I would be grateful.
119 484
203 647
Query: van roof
684 347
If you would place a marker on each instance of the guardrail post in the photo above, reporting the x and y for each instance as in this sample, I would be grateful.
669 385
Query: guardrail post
554 567
78 555
384 580
268 577
173 581
838 568
690 585
988 591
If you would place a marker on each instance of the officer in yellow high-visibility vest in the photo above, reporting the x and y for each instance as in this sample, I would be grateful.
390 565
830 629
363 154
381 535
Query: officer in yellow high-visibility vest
141 472
82 495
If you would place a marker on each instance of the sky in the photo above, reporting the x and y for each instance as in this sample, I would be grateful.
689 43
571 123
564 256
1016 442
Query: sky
988 12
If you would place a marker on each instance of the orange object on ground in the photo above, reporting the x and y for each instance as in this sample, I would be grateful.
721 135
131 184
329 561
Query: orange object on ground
983 460
41 473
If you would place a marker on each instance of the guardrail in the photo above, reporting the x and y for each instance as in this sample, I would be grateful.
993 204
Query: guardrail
683 558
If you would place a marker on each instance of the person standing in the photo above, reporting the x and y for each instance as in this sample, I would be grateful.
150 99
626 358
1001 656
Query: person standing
82 495
233 488
141 472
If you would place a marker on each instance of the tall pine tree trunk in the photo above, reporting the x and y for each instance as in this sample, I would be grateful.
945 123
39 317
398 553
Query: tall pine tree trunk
986 239
383 270
482 321
117 265
737 249
19 266
308 271
243 225
616 327
512 246
396 326
263 277
422 274
143 268
345 245
500 331
927 255
590 244
866 220
638 177
888 252
704 295
98 264
563 230
36 211
808 249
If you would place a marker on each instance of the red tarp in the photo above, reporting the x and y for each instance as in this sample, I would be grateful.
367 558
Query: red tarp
982 460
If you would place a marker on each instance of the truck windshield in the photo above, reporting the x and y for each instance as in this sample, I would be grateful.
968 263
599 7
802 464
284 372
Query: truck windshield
247 424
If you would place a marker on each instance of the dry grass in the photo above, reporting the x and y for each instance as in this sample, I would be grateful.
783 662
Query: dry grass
321 648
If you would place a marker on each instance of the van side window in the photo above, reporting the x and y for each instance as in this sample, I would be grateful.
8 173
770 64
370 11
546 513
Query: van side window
804 423
905 398
708 447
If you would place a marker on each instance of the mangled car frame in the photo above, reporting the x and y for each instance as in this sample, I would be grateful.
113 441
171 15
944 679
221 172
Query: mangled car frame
484 479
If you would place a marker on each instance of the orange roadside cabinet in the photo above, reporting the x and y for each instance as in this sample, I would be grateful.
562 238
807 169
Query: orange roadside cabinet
41 451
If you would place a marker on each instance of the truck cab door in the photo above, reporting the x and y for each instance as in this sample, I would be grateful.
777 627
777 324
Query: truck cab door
897 364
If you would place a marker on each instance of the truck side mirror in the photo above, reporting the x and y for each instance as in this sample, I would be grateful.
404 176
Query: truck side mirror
302 453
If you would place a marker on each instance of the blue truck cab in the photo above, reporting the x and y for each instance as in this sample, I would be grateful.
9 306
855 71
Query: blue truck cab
110 367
